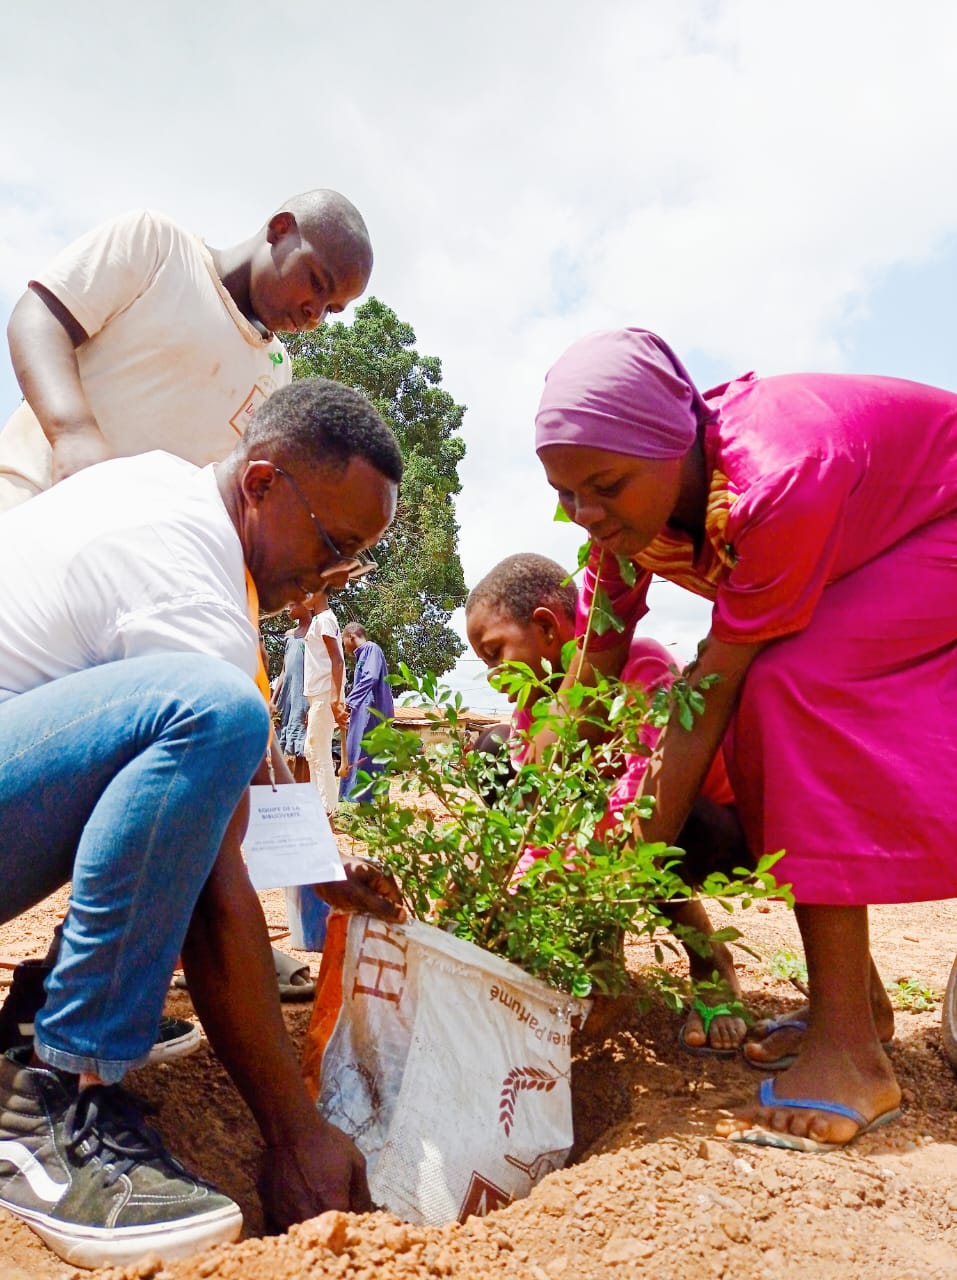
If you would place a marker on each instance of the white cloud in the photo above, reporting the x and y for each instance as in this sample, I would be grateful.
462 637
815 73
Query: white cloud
737 174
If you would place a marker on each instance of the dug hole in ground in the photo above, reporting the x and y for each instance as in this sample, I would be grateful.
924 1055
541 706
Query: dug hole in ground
650 1191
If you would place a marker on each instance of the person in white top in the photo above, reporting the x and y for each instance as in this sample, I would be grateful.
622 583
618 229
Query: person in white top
130 728
138 336
323 679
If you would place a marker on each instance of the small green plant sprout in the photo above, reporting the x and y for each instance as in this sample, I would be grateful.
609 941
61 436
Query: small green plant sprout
560 916
788 966
715 996
539 876
913 995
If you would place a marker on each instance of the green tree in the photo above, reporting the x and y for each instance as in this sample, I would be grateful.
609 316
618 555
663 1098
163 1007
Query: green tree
406 604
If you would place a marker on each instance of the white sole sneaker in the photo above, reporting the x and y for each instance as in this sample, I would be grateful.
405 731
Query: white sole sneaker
92 1247
176 1038
85 1172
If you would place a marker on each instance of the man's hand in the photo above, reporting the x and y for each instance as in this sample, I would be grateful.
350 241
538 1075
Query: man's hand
322 1170
340 712
310 1166
74 450
366 889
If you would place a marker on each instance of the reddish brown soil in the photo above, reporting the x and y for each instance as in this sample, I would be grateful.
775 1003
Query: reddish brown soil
651 1191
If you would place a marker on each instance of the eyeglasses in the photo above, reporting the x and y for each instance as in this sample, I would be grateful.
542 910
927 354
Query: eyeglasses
358 564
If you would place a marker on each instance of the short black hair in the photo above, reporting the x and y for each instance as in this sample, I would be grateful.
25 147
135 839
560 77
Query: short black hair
354 629
323 424
520 584
332 219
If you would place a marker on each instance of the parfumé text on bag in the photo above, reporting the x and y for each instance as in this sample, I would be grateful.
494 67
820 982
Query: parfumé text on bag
447 1065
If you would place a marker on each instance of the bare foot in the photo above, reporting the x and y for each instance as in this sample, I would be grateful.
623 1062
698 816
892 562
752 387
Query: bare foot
857 1077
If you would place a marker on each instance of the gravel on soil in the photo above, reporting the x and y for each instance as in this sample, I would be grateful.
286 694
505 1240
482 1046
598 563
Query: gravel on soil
651 1191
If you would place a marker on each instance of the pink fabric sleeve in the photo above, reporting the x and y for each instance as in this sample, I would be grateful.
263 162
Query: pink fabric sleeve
648 665
785 532
519 747
628 602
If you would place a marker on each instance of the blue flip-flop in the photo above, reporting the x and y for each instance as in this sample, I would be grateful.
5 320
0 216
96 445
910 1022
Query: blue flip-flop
758 1137
786 1059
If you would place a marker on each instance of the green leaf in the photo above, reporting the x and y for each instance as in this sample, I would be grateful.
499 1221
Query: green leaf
569 650
627 569
730 934
603 616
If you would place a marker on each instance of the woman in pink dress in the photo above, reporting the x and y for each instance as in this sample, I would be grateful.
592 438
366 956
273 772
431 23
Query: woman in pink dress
819 513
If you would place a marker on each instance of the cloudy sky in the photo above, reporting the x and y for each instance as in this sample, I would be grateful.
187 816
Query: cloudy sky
770 186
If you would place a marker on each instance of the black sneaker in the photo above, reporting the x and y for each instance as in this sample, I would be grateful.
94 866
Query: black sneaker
92 1179
175 1037
24 1001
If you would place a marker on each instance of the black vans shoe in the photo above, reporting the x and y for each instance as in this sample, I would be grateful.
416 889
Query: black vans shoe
85 1171
175 1037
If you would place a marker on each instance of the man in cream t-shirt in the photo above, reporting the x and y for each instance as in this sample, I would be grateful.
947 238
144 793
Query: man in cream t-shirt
138 336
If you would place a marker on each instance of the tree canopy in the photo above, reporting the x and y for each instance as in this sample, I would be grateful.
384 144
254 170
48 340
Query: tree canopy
406 604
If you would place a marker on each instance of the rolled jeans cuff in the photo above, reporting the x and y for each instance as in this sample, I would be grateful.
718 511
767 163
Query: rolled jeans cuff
109 1071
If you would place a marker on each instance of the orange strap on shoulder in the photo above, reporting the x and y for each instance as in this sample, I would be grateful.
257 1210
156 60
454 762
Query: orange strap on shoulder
252 603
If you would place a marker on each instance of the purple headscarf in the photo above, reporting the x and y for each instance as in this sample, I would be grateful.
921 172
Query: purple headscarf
624 390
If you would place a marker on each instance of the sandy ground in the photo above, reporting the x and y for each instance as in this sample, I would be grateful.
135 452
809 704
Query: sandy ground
651 1190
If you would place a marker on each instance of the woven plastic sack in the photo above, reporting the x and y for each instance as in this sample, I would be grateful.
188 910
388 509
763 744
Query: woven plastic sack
447 1065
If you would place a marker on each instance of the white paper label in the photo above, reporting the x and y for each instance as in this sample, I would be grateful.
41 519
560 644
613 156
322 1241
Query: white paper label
289 840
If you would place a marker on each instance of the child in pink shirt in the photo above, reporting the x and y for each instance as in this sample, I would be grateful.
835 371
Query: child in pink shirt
524 610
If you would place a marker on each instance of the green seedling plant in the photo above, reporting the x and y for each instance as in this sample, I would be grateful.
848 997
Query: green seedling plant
788 966
913 995
563 917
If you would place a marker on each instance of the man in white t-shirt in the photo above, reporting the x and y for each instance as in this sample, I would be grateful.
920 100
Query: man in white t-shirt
138 336
130 728
323 675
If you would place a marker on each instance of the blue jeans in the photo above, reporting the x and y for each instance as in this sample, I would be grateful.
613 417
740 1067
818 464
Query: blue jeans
122 778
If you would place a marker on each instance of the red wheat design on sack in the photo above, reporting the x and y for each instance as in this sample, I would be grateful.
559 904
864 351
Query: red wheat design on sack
521 1079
